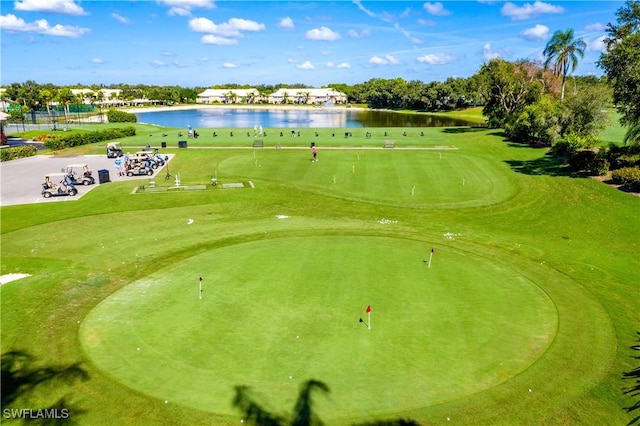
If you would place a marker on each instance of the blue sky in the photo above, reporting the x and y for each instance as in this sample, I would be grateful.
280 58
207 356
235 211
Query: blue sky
205 42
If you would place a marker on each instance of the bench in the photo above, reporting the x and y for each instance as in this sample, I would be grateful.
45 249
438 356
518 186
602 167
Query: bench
258 143
389 144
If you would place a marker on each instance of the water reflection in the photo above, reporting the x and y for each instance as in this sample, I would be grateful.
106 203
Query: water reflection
292 118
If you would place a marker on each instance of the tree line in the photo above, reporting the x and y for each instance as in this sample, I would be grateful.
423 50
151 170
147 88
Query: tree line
534 102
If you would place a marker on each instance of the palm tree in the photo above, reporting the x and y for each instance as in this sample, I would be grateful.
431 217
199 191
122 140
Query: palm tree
632 137
563 51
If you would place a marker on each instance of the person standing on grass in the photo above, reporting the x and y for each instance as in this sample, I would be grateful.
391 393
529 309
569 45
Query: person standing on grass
314 151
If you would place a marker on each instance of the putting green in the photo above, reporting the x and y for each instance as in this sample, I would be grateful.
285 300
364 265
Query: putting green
416 178
277 312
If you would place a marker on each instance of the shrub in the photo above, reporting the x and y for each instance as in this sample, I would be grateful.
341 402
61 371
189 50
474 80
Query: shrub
8 154
581 160
571 143
85 138
627 176
116 116
599 166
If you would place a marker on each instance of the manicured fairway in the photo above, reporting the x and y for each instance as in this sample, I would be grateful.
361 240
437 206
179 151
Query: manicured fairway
276 312
418 178
524 318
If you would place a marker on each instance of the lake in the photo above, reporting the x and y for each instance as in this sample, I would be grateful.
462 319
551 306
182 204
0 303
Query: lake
292 118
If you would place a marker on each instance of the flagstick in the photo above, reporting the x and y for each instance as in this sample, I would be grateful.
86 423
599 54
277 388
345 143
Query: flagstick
430 256
200 288
369 318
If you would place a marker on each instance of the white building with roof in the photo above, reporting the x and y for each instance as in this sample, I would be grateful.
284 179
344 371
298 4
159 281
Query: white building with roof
292 95
229 96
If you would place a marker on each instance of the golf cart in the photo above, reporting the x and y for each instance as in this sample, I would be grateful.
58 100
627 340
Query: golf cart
149 158
56 184
138 168
80 174
114 150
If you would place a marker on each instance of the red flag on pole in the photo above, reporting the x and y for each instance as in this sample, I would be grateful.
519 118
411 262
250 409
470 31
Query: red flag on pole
369 309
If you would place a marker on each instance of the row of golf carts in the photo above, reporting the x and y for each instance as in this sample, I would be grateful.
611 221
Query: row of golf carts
137 164
64 183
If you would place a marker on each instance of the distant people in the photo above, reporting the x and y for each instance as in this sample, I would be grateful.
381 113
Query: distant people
368 135
421 133
298 133
195 134
316 134
314 152
231 134
215 134
281 134
385 134
404 133
293 133
248 135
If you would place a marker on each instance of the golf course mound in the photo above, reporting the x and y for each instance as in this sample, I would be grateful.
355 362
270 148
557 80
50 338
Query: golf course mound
274 313
416 178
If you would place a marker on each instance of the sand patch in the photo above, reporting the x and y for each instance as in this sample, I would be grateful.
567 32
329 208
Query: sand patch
7 278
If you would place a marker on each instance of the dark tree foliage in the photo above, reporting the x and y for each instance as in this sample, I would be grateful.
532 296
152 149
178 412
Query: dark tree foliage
621 61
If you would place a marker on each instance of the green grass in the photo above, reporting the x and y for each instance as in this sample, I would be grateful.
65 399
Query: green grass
301 299
534 285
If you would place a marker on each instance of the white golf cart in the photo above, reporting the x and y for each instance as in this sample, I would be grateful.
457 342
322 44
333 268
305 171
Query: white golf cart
57 184
114 150
80 174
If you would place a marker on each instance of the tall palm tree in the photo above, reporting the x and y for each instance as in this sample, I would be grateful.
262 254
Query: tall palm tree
563 51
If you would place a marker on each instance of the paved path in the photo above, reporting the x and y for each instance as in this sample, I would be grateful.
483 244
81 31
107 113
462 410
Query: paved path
21 180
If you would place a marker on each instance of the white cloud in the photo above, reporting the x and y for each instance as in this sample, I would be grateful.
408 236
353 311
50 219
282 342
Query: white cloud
387 60
322 33
41 26
528 10
426 22
595 27
231 28
119 18
179 64
184 7
229 65
539 32
157 63
291 61
306 65
286 24
487 54
66 7
220 41
598 44
341 65
436 9
97 61
224 34
355 34
436 59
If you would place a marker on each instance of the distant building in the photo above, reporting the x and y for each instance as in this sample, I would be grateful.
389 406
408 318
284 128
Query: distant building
110 97
229 96
305 96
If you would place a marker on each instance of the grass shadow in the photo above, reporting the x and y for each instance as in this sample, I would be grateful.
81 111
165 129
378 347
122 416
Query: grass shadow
303 415
545 165
22 375
470 129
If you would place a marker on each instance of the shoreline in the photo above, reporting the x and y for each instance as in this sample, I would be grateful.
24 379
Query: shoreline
161 108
